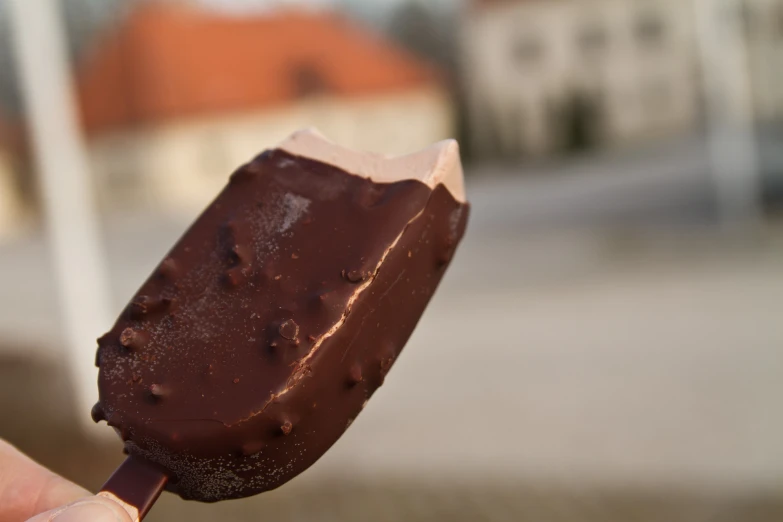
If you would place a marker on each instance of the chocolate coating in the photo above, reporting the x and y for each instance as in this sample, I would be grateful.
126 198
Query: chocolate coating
258 340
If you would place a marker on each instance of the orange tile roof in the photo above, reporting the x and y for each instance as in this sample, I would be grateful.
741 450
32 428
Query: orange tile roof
171 61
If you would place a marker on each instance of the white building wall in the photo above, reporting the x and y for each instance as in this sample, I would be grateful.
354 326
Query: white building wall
653 84
524 60
764 29
513 61
182 166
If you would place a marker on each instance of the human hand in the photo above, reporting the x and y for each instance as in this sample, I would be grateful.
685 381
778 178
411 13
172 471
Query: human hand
30 492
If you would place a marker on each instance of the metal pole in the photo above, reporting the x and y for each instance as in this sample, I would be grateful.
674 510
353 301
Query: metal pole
61 164
731 137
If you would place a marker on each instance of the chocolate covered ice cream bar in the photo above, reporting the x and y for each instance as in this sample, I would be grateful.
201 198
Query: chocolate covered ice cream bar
265 330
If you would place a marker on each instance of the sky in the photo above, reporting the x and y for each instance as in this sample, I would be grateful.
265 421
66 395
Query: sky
371 3
371 8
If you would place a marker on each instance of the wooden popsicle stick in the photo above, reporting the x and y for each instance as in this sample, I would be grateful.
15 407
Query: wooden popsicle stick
135 485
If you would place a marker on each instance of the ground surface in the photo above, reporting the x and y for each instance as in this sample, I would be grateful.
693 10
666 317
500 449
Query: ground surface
613 361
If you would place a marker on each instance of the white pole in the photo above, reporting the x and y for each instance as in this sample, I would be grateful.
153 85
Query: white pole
730 116
61 163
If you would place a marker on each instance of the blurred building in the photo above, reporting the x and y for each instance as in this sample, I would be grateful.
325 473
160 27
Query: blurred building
541 76
764 31
176 97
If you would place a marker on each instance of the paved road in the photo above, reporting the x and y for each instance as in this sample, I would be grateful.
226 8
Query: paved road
654 365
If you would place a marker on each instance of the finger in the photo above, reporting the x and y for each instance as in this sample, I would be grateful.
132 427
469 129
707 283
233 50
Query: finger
90 509
27 488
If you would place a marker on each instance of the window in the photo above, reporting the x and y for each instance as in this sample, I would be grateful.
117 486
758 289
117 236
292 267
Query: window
308 80
650 29
528 50
657 97
779 22
592 39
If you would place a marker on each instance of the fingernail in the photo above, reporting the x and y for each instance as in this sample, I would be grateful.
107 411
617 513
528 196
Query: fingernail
87 511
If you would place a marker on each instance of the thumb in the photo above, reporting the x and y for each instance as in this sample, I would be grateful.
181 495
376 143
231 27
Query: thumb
91 509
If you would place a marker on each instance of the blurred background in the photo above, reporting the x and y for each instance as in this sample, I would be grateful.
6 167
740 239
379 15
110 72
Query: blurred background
608 345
